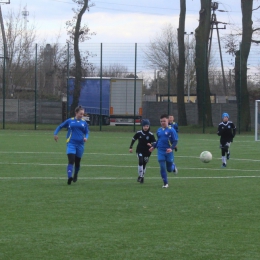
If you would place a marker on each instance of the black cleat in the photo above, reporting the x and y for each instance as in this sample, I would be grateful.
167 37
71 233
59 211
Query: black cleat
228 156
70 180
224 165
141 180
75 177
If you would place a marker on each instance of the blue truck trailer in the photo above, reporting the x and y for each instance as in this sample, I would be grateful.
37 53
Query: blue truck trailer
117 100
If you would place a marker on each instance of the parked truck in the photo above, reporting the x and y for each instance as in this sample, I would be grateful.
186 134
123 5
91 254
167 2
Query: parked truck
117 100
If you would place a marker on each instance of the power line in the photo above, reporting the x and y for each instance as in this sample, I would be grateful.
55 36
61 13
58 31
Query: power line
139 6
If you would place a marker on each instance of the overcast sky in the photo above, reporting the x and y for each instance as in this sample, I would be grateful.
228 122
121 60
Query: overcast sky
117 21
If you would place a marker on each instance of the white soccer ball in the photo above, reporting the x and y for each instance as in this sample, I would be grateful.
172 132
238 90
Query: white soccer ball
206 157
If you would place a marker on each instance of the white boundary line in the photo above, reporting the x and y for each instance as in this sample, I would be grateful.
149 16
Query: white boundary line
127 166
126 154
126 178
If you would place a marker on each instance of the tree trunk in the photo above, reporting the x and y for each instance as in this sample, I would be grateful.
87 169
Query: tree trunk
78 73
203 91
244 121
182 119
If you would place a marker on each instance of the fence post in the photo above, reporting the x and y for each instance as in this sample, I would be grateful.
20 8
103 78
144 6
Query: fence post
240 82
204 89
4 67
169 76
68 75
135 85
35 89
100 90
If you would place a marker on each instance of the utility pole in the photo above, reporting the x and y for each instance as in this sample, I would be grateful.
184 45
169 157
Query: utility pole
25 13
214 25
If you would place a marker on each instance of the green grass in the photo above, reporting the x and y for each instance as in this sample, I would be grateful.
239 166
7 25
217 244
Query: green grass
190 129
207 212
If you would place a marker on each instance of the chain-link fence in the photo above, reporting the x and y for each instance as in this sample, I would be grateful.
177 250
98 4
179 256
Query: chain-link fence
34 82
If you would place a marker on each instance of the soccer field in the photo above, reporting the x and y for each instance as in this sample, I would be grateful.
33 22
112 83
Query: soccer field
206 213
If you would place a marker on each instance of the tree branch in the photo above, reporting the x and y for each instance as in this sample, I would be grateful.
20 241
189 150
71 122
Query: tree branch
256 8
256 29
255 41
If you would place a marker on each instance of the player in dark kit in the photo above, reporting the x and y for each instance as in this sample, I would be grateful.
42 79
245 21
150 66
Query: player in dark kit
145 139
226 131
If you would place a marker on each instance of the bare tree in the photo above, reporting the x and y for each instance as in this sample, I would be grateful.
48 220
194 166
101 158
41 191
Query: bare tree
241 52
182 119
157 54
21 52
78 33
202 38
241 66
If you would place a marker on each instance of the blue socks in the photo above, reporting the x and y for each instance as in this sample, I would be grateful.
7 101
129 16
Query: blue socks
69 170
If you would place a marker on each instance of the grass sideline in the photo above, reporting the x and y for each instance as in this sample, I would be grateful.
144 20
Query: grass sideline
206 213
191 129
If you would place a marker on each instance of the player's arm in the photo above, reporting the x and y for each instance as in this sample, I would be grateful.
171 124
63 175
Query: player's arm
151 140
174 139
62 125
219 133
176 127
234 130
86 133
132 143
153 146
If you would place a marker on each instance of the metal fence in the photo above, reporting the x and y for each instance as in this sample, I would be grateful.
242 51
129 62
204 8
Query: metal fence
34 81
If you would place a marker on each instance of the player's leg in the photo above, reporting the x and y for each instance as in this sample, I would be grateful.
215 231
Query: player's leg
71 161
71 151
223 153
76 168
146 160
228 150
140 168
161 160
171 167
163 173
79 154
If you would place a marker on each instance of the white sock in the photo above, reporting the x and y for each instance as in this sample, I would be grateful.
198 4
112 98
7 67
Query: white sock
140 171
224 159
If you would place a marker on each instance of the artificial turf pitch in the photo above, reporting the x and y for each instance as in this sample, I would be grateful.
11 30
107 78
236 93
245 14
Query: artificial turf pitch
206 213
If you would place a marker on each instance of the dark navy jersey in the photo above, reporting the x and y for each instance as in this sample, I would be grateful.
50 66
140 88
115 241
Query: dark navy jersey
143 137
226 131
77 130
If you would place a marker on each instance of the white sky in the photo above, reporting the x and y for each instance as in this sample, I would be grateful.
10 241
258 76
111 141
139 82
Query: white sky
117 21
124 21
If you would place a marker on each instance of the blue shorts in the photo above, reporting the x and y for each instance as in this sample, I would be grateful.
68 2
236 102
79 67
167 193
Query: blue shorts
77 149
163 156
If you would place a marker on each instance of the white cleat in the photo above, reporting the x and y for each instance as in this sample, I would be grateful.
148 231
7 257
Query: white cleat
175 171
165 185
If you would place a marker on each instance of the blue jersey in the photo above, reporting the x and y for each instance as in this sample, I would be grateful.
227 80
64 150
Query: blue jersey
175 126
166 138
77 130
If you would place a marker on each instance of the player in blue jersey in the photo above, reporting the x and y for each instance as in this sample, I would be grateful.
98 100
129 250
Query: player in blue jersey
77 135
173 124
167 140
226 131
145 139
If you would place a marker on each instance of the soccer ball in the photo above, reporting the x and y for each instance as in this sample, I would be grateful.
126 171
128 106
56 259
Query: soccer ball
206 157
